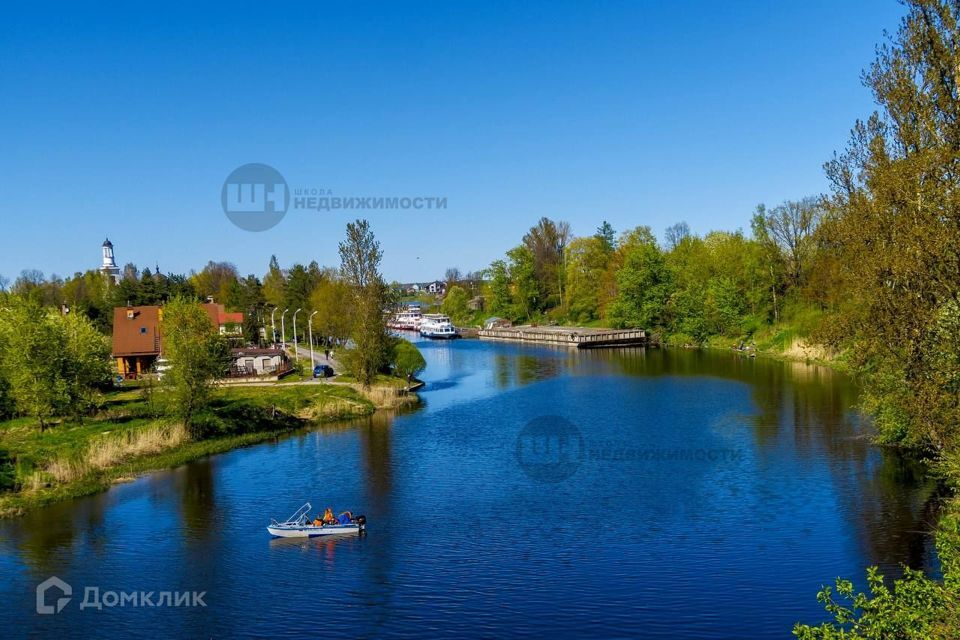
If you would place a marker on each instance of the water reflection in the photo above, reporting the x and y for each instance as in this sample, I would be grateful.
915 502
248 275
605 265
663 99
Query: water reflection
461 541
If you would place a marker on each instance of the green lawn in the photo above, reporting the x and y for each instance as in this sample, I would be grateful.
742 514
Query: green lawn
126 438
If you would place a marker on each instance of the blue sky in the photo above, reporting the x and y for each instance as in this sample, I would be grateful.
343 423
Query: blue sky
124 121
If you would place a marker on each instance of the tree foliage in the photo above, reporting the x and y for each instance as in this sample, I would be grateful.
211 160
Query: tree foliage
198 356
360 256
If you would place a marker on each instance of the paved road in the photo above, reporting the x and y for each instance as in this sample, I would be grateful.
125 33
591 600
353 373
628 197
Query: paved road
317 358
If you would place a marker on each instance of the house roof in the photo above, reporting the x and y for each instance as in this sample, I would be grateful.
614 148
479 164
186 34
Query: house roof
136 331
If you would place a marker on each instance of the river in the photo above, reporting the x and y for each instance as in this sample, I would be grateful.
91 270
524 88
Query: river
697 495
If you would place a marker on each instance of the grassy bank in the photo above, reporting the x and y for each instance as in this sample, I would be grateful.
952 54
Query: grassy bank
126 438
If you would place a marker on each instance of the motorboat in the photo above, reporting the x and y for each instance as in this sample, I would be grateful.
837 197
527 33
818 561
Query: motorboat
299 525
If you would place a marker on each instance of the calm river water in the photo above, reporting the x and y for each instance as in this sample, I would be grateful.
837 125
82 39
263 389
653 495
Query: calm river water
705 495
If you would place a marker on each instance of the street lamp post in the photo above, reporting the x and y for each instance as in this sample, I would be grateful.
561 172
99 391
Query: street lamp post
296 354
273 327
283 330
310 332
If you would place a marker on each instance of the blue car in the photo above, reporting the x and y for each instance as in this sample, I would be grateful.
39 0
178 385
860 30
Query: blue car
322 371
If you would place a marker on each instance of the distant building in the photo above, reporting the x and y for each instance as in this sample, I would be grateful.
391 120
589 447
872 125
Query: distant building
137 342
109 266
437 287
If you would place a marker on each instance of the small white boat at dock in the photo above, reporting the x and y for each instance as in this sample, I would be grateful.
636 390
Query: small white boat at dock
438 327
299 525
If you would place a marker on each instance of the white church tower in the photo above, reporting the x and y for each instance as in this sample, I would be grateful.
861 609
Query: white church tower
109 267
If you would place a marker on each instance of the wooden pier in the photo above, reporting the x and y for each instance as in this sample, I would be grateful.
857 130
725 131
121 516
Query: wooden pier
578 337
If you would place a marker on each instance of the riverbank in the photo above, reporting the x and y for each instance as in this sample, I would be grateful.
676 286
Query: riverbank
128 437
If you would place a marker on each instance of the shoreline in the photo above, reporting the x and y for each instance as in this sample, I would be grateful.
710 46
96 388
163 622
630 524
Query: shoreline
128 468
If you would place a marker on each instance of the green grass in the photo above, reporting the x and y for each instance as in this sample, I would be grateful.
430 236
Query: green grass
78 458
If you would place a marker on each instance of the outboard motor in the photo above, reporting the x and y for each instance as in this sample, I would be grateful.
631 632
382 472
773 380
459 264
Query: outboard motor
362 521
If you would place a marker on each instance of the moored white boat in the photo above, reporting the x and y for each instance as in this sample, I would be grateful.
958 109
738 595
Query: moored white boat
407 320
299 526
437 326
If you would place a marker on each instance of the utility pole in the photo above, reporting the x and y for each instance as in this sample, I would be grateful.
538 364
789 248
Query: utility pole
296 354
283 330
273 327
310 331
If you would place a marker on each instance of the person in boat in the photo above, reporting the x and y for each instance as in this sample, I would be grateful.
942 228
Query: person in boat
345 518
317 522
328 517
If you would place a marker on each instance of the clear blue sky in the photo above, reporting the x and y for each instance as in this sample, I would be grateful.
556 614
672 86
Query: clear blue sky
125 121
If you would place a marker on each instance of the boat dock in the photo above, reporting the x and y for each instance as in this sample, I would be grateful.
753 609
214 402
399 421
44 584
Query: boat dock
578 337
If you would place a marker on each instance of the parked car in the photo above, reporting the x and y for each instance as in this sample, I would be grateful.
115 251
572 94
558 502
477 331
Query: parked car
323 371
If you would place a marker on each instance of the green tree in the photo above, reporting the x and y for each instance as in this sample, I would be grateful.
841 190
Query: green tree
406 360
34 361
643 283
526 292
894 223
360 256
587 260
274 284
501 301
86 363
332 300
198 356
455 304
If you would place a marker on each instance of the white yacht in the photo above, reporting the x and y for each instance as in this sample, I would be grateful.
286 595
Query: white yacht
435 325
407 320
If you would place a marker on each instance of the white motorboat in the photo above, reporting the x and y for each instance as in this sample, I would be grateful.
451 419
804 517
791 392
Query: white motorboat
299 525
437 326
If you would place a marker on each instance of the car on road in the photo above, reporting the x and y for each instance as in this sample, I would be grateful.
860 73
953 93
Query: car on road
323 371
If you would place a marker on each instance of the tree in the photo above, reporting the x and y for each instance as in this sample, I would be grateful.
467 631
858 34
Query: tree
198 356
893 222
587 260
528 296
33 360
452 276
607 236
332 299
360 256
676 234
789 227
547 243
274 284
86 362
406 360
455 303
500 298
643 283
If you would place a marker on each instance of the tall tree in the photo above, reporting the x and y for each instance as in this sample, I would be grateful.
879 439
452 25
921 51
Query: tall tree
789 227
547 242
274 284
360 256
894 223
